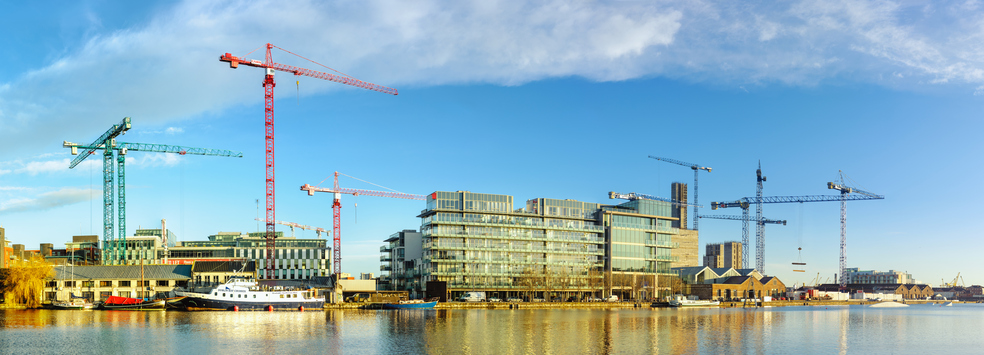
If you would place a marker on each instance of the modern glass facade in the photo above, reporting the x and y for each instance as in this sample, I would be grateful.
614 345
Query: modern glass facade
478 242
401 263
640 246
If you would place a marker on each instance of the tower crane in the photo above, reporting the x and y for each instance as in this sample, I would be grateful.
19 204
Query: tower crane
115 250
106 139
744 202
270 67
293 225
336 207
745 218
697 168
632 196
844 191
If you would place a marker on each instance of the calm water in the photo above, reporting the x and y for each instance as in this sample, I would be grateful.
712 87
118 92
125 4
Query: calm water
811 330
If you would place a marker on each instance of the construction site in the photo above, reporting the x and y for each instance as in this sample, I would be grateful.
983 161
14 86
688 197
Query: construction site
642 247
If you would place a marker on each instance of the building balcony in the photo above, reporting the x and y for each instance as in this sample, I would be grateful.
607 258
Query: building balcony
385 249
386 258
534 224
385 268
478 247
513 236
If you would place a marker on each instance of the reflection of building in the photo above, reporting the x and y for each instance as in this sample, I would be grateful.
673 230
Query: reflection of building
549 249
97 283
723 255
856 276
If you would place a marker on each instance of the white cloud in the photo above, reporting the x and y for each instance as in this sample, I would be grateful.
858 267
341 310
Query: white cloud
166 70
38 167
48 200
149 160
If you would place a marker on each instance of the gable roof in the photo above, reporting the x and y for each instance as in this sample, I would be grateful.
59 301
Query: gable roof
125 272
737 280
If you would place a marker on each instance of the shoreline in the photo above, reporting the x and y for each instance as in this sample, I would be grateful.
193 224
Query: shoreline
613 305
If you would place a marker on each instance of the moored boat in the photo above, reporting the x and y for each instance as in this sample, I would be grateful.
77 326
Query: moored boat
411 304
74 303
245 295
691 301
134 304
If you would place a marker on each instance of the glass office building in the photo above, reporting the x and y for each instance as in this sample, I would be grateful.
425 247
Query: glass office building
478 242
640 244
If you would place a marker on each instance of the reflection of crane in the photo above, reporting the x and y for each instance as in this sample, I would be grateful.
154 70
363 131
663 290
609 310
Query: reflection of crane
337 210
114 249
744 202
268 85
293 225
696 168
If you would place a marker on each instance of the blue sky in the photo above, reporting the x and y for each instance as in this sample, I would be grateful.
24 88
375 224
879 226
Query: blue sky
551 99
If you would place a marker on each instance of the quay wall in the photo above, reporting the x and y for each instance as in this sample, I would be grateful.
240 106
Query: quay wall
609 305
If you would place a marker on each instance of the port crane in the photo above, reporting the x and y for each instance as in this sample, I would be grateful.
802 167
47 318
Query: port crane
115 251
270 67
293 225
336 207
697 168
745 202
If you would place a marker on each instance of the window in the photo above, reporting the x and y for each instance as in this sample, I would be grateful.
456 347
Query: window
162 283
69 283
223 294
87 284
52 284
105 284
124 283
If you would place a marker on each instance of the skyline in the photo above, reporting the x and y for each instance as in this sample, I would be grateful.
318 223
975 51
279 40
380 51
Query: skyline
556 100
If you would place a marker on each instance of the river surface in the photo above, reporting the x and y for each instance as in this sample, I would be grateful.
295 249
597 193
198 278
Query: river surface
918 329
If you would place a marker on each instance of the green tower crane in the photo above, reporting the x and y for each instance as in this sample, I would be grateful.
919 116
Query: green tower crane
114 251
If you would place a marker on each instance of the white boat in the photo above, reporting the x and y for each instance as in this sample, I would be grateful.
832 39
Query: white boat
948 304
74 303
690 301
888 304
246 295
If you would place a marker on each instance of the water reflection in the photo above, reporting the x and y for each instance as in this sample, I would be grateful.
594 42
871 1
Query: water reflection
518 331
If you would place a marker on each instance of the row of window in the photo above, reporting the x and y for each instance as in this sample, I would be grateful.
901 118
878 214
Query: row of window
122 283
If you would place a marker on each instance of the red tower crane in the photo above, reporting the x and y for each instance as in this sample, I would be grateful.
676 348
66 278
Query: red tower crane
336 208
268 85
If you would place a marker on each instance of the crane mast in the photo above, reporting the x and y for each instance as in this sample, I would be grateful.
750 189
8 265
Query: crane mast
697 168
270 67
745 218
844 191
759 227
336 208
845 196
